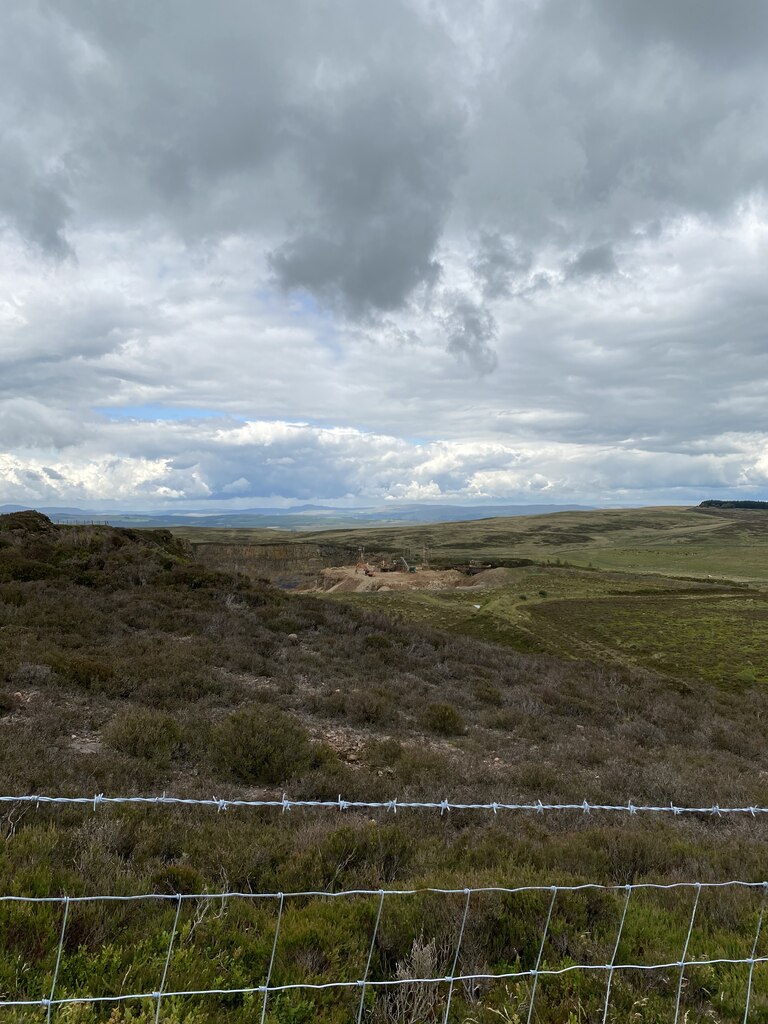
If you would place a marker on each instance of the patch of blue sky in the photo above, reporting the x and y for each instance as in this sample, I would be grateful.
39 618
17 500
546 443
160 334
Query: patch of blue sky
162 412
305 307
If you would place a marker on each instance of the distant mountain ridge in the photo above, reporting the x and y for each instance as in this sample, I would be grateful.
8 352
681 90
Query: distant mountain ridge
298 517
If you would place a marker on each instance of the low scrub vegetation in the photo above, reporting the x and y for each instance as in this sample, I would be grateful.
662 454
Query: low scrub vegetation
126 668
260 744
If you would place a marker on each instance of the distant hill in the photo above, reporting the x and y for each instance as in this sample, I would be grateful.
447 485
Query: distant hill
296 517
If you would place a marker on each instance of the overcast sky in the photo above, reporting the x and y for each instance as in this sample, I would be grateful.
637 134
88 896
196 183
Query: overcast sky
257 252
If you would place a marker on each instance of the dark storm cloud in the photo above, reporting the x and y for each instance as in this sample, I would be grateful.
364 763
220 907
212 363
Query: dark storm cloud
382 167
345 135
347 120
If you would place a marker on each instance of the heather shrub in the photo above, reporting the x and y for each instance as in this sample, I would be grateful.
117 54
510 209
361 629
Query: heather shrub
486 692
260 744
82 670
370 707
383 753
443 719
146 734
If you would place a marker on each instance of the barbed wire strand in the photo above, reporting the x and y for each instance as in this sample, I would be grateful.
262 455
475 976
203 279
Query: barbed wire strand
287 804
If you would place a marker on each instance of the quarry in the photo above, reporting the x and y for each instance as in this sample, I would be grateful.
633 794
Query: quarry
352 579
330 568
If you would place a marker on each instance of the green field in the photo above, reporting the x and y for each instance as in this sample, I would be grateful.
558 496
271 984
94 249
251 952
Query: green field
683 629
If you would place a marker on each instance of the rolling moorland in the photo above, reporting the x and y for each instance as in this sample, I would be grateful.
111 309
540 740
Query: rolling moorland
126 666
683 592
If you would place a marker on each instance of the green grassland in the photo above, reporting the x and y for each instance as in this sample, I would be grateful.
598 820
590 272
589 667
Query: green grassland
682 628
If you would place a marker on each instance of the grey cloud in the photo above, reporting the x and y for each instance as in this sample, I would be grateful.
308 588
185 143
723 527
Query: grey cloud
311 126
583 131
338 134
707 29
498 263
381 165
26 423
34 202
599 261
471 331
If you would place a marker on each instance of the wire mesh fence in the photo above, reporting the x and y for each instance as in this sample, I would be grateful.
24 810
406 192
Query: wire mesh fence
679 951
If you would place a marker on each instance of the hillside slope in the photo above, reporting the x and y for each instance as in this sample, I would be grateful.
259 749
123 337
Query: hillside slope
99 625
126 667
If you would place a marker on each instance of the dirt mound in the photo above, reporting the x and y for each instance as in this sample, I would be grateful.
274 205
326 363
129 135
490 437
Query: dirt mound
488 578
